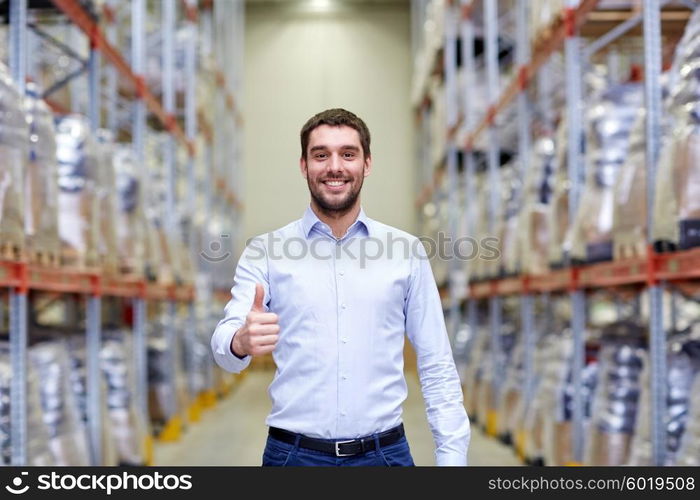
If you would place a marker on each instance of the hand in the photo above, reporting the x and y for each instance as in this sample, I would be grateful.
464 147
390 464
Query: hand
260 332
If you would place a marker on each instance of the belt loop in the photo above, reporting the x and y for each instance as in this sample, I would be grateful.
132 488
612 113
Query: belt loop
297 439
376 441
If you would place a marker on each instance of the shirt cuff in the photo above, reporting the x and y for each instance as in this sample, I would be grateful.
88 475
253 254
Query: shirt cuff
451 460
223 355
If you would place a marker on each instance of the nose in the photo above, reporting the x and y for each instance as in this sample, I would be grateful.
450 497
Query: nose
336 164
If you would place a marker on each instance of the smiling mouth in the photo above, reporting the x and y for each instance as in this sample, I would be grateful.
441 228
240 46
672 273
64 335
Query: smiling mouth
335 183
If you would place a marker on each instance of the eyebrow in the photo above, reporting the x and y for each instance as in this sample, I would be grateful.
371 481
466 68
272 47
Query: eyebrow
346 148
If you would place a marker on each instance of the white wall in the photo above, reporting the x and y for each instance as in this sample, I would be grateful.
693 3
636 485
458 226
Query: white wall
298 64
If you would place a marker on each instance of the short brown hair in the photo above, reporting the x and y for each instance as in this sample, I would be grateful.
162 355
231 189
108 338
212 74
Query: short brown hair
336 117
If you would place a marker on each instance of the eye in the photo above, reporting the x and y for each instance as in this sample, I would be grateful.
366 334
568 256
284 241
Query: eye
349 156
320 156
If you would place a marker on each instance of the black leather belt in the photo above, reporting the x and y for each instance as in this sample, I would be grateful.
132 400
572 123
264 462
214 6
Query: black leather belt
340 448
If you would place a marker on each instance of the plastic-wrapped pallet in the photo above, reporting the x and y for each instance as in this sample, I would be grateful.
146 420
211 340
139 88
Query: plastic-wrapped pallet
558 215
14 146
77 201
533 226
41 181
683 361
676 206
67 436
507 222
38 452
608 122
557 397
128 428
689 450
130 223
477 362
616 400
156 209
105 187
511 394
78 382
488 394
167 393
478 267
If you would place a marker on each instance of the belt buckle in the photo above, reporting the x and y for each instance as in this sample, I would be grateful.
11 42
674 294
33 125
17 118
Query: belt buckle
337 448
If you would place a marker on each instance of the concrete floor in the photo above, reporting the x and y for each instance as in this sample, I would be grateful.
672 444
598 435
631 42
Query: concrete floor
234 431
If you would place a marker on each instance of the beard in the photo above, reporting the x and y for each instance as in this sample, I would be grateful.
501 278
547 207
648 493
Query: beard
335 205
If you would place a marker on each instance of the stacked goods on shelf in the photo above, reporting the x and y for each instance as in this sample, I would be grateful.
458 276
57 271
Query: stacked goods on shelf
78 383
676 206
511 394
67 435
689 450
432 33
630 198
558 214
167 385
508 232
609 121
683 361
130 222
14 146
41 188
477 361
127 428
616 400
106 202
556 388
77 201
478 266
532 226
155 207
38 452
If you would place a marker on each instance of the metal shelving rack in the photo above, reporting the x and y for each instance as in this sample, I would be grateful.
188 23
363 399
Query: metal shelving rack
19 277
651 272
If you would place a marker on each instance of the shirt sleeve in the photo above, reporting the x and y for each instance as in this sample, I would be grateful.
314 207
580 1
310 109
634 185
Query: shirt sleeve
252 268
442 390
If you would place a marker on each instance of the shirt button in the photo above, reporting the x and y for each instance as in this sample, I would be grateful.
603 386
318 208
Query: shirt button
342 413
343 306
345 341
342 273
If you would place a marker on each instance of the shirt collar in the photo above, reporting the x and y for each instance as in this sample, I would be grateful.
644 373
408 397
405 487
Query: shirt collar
310 219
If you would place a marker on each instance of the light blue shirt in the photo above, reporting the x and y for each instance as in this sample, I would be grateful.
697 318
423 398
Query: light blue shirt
344 306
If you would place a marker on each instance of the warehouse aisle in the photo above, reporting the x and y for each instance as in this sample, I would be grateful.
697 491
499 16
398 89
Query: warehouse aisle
234 432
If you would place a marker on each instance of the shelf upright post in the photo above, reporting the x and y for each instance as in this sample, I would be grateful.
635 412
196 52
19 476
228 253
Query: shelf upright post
574 103
18 296
493 85
93 321
527 308
191 132
469 171
168 83
450 65
111 73
138 55
657 334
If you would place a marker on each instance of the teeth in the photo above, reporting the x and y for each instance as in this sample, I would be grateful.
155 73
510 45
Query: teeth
335 183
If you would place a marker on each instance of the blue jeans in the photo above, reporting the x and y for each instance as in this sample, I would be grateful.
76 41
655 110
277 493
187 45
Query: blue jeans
280 454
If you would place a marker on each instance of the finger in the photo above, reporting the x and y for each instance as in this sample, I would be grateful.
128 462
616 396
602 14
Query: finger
266 340
258 330
259 297
259 351
263 318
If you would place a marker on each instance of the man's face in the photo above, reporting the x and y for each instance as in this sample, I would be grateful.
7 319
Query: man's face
335 167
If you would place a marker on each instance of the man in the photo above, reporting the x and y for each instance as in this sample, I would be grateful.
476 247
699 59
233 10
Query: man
331 296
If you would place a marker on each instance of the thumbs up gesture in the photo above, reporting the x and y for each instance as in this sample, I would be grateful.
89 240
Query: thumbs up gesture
260 332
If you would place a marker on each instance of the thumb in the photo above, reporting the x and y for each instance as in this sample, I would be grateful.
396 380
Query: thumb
258 300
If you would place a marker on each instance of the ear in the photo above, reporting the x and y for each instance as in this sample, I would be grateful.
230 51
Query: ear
368 166
303 167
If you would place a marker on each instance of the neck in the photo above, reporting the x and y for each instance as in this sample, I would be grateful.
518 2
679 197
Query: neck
338 221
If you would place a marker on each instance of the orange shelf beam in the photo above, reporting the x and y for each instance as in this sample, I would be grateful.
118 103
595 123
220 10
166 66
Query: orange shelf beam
78 15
